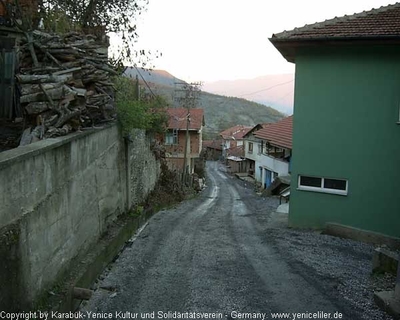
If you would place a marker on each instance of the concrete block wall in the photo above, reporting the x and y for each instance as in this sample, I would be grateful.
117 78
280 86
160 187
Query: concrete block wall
57 197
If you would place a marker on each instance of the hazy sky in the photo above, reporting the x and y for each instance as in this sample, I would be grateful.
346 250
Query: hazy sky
209 40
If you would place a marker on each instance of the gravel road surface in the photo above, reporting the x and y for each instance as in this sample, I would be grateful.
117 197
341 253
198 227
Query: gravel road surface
223 255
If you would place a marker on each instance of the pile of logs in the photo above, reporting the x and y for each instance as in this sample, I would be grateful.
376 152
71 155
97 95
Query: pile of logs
64 84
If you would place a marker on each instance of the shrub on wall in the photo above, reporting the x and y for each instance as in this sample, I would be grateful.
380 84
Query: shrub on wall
149 114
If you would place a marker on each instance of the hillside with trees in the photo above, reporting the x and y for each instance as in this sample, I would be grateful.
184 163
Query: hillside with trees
220 112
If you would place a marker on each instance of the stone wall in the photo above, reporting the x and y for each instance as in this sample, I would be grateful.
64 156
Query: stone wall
144 168
57 197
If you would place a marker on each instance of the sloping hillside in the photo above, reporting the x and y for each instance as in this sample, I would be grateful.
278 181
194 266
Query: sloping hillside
275 90
223 112
220 112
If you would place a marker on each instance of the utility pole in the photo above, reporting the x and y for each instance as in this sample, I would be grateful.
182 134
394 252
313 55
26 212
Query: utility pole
186 95
137 88
187 139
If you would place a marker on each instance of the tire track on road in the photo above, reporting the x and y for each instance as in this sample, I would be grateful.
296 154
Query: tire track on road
287 290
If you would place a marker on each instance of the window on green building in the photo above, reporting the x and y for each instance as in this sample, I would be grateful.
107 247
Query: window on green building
310 182
320 184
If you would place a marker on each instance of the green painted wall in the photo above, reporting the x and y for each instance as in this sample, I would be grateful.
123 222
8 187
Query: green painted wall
346 108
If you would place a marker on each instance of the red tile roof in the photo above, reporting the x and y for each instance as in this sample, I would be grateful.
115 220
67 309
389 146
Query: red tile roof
236 151
235 133
383 22
213 144
255 128
278 134
177 118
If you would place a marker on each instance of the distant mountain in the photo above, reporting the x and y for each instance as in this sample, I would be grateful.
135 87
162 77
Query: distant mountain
160 77
221 112
276 91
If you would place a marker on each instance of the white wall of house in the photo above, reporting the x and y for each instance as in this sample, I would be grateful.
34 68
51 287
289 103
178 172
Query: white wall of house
266 162
251 155
279 166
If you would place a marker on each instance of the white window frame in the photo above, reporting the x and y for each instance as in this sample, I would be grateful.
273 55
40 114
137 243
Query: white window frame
322 189
173 135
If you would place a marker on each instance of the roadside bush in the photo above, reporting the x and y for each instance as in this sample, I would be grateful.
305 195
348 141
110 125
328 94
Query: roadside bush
149 115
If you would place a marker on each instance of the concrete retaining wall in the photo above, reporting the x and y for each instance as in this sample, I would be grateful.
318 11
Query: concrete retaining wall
57 197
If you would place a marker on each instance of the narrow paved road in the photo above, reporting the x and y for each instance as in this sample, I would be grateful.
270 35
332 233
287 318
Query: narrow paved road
212 254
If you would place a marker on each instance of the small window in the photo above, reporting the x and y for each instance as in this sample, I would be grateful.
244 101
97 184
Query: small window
326 185
171 137
335 184
310 181
259 148
250 147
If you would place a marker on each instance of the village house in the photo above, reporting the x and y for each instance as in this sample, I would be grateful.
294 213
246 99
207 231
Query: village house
233 137
235 160
268 151
253 149
181 121
345 166
212 149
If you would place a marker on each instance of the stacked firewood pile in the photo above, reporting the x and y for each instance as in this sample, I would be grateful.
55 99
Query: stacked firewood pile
64 84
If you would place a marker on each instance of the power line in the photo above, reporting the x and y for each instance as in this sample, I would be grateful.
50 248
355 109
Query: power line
283 97
266 89
145 82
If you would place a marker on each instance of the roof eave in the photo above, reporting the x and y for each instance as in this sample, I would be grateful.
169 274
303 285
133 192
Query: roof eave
288 46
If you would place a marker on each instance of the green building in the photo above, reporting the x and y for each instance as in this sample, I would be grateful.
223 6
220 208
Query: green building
346 126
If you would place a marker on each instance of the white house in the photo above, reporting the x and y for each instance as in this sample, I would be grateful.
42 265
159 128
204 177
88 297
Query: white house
233 137
268 151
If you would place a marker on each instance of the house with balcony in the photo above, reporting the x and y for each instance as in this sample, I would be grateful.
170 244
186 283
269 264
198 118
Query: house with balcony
183 135
268 150
346 134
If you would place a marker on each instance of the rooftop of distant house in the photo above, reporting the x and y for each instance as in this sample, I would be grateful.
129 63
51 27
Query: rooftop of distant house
235 133
278 134
255 128
178 118
237 152
382 24
213 144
